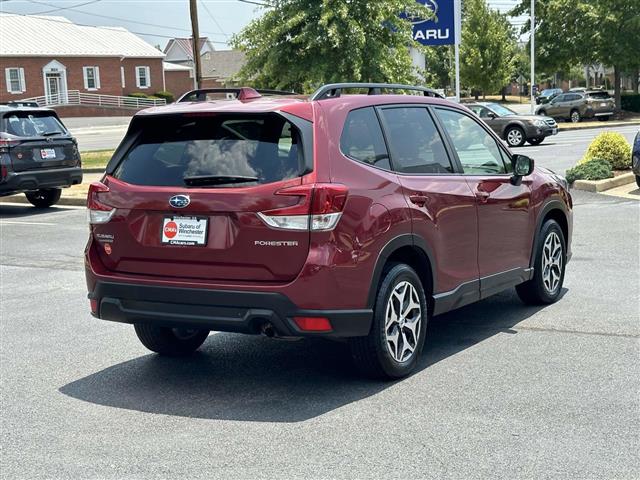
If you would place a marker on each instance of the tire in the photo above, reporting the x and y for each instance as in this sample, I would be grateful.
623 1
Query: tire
44 198
574 116
539 291
535 141
515 136
604 119
377 355
542 113
638 180
171 342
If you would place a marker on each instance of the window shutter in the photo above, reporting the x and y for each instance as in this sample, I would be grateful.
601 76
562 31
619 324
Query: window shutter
7 78
23 84
138 77
148 71
97 76
122 80
85 77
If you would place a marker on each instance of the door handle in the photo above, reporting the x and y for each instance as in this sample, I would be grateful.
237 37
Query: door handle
418 199
483 196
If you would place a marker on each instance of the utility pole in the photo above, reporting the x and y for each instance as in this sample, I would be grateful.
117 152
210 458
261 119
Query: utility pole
195 40
533 54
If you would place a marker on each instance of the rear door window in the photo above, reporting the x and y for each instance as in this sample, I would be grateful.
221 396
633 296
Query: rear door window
32 124
415 144
170 151
362 139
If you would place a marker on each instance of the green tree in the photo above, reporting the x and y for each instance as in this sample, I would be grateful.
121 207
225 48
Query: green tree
586 32
487 51
439 63
301 44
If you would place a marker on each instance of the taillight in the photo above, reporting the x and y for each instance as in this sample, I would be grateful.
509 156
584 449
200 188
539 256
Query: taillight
98 212
319 209
5 144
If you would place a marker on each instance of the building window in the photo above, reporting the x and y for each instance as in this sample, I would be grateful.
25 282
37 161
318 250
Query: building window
143 77
15 80
91 78
122 81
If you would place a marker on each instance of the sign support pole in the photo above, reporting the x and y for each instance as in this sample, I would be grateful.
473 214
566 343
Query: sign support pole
458 34
533 53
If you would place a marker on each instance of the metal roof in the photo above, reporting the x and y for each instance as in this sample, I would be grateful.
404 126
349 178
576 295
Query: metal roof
44 36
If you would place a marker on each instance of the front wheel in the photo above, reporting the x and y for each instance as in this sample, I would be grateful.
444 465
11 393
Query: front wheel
393 346
515 136
535 141
44 197
575 116
549 266
172 342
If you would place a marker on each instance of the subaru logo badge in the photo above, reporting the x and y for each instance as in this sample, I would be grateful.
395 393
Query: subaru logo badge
179 201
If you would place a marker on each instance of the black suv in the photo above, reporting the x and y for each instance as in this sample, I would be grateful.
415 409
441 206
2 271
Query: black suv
38 155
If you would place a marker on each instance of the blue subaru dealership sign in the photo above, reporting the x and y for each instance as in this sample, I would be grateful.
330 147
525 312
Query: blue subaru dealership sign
439 30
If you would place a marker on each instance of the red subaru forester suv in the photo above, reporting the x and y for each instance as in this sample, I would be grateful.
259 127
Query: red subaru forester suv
356 216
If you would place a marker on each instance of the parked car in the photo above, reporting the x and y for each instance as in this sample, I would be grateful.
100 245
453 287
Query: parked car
515 129
635 158
38 155
575 106
547 95
346 216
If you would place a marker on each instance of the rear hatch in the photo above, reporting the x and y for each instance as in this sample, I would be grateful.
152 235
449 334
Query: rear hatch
600 101
39 141
188 189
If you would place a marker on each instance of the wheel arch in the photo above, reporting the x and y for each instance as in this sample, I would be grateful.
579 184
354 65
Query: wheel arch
553 210
413 251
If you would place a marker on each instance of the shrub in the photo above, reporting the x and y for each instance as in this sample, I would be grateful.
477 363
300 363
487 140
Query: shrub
630 102
168 96
594 169
612 147
138 95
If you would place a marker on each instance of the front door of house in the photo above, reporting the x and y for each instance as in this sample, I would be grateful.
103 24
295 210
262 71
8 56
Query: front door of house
53 83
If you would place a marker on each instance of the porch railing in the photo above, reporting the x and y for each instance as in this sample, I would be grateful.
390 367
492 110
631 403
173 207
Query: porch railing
75 97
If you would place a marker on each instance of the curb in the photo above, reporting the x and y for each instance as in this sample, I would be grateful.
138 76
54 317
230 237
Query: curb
601 125
93 170
606 184
73 201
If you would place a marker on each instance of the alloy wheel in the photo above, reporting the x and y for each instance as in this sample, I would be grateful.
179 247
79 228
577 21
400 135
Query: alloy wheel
552 262
514 137
575 117
402 321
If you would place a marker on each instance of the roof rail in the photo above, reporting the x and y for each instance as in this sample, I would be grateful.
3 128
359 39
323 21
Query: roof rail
241 93
19 103
334 90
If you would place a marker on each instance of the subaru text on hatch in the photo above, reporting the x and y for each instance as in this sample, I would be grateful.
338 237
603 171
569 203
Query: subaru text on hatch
340 215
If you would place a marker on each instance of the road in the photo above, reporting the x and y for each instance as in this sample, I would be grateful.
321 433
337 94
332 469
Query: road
503 390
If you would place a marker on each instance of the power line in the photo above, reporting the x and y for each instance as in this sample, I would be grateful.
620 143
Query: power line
213 18
53 20
62 8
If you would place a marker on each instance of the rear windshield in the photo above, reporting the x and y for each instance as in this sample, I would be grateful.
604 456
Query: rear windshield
32 124
598 95
256 148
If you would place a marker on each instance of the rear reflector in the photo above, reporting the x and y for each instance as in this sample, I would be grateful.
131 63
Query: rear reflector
94 305
313 324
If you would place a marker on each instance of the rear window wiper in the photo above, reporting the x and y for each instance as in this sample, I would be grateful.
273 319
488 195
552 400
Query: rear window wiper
48 134
208 180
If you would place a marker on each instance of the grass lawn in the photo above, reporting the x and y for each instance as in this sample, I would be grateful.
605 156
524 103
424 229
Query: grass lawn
96 158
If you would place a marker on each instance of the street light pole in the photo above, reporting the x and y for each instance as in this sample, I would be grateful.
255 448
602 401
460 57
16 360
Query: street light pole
533 53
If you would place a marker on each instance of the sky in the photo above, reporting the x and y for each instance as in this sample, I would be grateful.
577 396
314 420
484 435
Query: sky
158 20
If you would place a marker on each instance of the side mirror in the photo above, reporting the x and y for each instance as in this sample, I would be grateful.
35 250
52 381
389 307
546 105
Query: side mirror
522 166
492 115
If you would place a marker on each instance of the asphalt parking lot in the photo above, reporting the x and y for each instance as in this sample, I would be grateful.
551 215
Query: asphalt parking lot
503 391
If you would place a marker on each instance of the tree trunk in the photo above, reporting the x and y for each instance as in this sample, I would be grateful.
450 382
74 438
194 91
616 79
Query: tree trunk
476 93
504 91
616 87
635 80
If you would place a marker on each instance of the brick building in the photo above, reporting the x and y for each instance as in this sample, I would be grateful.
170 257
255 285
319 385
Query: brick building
50 56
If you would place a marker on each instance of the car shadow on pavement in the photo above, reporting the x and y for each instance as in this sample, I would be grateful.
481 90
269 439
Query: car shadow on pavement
250 378
11 211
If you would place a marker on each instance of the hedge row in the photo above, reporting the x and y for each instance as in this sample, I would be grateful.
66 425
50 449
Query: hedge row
630 102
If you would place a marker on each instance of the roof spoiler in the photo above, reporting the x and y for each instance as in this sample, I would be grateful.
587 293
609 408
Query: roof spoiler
334 90
240 93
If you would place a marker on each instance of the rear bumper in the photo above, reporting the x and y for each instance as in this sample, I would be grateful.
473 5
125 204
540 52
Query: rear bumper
219 310
17 182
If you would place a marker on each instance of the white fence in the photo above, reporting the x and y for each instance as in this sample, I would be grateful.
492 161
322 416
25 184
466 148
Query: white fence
74 97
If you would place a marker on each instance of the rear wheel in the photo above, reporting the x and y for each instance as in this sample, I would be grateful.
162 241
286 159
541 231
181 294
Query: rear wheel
393 346
575 116
638 180
549 266
44 198
604 119
173 342
542 112
535 141
515 136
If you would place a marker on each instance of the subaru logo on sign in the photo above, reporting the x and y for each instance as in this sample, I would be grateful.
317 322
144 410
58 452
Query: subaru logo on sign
431 5
179 201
